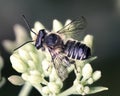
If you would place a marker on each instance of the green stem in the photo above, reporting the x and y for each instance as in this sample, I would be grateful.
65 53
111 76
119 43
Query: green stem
25 89
2 81
0 75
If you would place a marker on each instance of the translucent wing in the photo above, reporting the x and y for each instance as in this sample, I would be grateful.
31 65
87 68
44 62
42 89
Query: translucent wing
74 28
60 65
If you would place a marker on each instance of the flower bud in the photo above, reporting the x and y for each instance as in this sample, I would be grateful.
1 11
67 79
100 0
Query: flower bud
28 47
96 75
59 83
34 57
87 71
79 88
56 25
53 87
31 65
18 64
86 89
9 45
45 90
67 21
23 54
25 76
35 77
16 80
20 33
88 40
90 81
38 26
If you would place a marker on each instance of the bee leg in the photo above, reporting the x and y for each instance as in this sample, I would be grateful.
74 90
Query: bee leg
43 48
67 61
72 62
80 59
76 68
52 60
52 55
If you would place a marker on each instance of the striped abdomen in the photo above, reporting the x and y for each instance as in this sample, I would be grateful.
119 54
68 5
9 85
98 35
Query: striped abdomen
77 50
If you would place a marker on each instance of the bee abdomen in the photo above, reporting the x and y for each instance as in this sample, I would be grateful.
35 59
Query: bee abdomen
77 50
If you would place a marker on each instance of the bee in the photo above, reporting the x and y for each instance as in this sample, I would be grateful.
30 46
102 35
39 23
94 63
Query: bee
63 54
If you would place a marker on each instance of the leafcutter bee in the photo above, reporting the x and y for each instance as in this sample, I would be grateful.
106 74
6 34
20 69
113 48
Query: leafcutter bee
63 53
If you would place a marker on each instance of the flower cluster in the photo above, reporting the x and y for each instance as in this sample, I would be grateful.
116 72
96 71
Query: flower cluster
38 71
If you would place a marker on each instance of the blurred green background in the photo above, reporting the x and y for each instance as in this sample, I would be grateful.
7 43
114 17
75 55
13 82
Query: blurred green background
103 18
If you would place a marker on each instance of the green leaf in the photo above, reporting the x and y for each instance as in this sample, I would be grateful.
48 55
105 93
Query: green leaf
90 59
97 89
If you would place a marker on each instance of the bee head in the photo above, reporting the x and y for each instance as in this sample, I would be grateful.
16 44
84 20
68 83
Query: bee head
40 38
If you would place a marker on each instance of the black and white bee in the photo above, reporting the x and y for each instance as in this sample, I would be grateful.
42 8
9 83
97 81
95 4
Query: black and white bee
63 52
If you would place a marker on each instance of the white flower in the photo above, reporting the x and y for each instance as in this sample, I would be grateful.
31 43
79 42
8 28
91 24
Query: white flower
35 65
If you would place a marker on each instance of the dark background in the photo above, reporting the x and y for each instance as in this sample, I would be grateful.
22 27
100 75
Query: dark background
103 22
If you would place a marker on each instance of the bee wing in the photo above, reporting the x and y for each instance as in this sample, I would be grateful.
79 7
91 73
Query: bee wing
61 66
74 27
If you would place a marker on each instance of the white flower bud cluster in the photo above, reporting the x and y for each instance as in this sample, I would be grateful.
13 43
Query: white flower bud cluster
88 75
85 78
35 66
26 60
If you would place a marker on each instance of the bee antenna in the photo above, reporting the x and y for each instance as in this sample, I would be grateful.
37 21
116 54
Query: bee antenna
27 23
22 45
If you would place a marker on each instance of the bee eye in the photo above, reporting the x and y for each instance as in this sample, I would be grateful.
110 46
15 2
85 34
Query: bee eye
51 39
